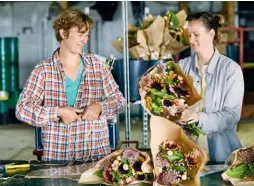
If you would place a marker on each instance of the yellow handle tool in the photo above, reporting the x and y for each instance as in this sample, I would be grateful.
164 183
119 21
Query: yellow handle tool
23 166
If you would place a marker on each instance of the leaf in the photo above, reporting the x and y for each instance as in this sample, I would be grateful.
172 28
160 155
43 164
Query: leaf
170 81
154 106
116 176
158 93
251 170
158 101
175 157
98 173
238 172
125 162
178 168
157 110
170 97
170 66
175 20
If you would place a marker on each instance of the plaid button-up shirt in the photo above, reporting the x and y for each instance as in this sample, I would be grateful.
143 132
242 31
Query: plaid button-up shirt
44 92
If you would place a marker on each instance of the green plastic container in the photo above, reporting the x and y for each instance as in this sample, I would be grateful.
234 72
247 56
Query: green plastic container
12 54
9 64
14 96
3 107
4 67
13 62
14 77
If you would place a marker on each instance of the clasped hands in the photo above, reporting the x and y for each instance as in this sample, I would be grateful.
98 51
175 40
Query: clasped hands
71 114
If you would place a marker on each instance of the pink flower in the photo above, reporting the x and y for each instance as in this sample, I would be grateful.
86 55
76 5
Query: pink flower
128 180
130 155
107 176
120 182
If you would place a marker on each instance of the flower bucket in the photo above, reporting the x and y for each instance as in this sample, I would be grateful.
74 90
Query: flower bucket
136 69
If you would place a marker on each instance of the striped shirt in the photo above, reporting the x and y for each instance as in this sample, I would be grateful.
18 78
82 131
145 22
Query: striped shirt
44 92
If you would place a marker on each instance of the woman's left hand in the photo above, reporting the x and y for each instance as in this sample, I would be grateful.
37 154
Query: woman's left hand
92 112
190 115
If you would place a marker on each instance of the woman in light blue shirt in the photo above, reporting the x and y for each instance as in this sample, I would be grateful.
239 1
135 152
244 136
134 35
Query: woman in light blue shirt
219 80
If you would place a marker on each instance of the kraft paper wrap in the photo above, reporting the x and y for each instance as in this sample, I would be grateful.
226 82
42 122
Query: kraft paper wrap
194 98
153 40
88 178
235 181
162 129
155 34
170 44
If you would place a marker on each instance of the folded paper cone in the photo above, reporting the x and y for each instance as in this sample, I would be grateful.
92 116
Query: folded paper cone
118 45
181 15
162 129
155 32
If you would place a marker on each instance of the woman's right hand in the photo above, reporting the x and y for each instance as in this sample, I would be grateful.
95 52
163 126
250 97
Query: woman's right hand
69 114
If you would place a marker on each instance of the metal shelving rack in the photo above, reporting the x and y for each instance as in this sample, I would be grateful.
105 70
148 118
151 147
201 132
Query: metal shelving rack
126 71
127 84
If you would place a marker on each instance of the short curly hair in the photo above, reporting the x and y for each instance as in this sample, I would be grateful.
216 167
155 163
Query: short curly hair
70 18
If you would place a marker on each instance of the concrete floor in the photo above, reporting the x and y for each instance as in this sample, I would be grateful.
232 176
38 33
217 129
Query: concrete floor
17 141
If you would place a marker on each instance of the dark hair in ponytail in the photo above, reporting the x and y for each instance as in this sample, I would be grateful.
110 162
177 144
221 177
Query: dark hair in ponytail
210 21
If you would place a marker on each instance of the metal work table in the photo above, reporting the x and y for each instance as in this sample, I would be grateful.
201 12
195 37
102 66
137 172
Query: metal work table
212 179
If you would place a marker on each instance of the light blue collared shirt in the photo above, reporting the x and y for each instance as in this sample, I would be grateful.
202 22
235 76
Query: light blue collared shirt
223 105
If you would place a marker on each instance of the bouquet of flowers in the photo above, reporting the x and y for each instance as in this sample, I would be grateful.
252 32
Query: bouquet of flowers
176 165
122 167
166 92
175 28
241 172
157 37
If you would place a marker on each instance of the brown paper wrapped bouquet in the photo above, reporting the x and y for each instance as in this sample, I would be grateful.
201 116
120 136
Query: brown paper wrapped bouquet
122 167
177 164
166 91
241 171
157 38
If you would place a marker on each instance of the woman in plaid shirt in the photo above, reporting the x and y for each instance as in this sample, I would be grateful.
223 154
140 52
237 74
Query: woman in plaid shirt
71 95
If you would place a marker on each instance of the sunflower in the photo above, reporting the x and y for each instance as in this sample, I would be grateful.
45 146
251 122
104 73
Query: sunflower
191 158
170 145
148 100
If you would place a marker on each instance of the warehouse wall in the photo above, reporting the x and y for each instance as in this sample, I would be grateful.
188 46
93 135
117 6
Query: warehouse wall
28 21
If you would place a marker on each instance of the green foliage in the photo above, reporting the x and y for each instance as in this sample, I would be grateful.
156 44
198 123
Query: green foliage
98 173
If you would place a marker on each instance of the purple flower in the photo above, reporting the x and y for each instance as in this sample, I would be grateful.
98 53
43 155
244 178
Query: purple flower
246 155
168 178
106 164
161 161
130 155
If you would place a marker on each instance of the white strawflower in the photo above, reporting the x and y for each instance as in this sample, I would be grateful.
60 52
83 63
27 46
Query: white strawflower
184 177
125 167
170 153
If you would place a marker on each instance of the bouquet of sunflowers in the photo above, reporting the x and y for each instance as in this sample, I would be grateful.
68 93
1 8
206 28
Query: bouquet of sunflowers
166 92
176 165
122 167
241 172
